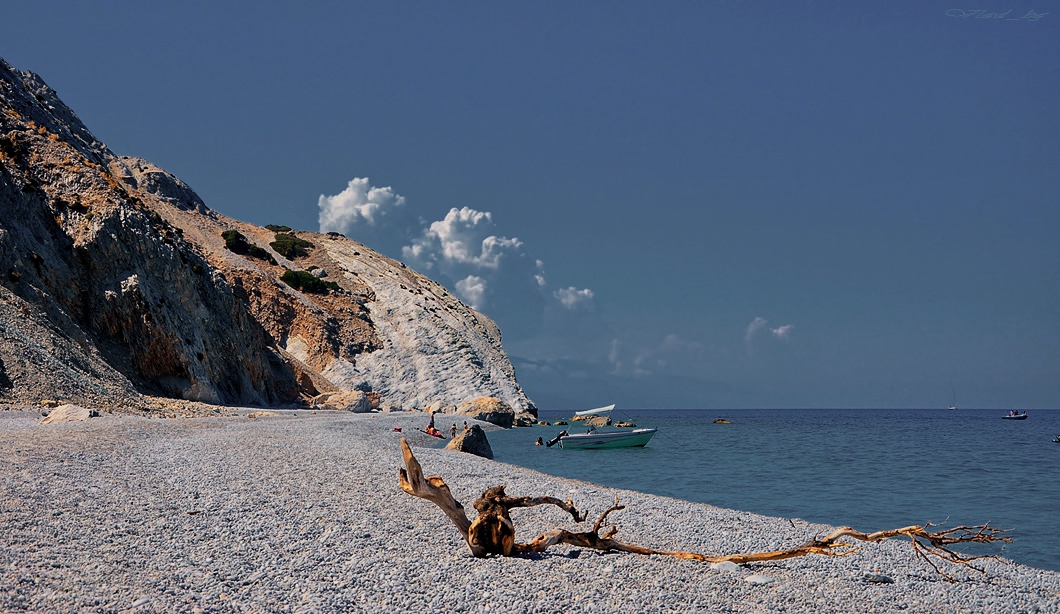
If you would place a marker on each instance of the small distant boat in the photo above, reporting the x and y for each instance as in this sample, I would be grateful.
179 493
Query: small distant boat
953 405
595 412
1056 439
1014 415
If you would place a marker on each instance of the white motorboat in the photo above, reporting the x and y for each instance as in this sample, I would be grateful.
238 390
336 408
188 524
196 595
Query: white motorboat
597 440
600 440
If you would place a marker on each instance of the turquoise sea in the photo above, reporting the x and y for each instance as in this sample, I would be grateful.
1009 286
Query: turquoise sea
870 469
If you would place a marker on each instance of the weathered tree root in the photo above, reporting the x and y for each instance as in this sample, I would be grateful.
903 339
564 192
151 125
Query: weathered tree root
493 531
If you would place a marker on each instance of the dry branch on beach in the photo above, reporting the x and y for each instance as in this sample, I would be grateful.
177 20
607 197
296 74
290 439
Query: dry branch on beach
493 531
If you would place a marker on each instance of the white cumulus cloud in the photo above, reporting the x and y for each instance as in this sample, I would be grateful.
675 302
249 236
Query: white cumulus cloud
462 237
472 290
358 203
572 297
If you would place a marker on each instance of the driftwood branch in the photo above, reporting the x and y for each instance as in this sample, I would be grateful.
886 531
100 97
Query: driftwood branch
493 531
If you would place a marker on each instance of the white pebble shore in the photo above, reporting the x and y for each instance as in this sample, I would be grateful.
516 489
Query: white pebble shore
302 512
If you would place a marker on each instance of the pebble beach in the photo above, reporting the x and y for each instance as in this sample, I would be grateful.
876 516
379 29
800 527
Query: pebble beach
302 512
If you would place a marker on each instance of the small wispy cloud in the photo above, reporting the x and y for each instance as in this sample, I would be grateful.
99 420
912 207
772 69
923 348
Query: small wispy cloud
472 290
358 203
759 323
572 297
754 327
782 332
647 360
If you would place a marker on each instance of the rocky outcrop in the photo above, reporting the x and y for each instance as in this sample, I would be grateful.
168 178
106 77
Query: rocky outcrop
472 441
116 279
488 409
524 419
598 421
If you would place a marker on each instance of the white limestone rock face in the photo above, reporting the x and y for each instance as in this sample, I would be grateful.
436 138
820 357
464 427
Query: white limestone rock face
434 349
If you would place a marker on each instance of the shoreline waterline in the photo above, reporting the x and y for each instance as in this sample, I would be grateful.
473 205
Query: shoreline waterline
870 469
302 512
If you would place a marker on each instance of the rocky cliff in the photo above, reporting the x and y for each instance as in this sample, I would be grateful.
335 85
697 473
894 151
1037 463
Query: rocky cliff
116 280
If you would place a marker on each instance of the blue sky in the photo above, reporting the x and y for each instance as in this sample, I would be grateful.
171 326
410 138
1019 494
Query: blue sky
727 204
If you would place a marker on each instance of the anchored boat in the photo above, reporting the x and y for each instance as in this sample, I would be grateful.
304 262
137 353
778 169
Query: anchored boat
636 438
600 440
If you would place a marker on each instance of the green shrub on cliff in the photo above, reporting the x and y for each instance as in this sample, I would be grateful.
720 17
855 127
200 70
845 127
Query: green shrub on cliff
236 242
307 282
290 246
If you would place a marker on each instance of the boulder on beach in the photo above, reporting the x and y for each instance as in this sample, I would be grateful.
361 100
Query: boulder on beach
355 401
69 413
488 409
472 441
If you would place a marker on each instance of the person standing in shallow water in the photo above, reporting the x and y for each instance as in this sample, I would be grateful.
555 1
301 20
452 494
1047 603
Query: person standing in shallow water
452 431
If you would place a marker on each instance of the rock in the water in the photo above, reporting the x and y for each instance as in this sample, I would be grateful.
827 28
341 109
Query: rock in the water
598 421
488 409
349 400
472 441
728 566
69 413
524 419
626 424
759 579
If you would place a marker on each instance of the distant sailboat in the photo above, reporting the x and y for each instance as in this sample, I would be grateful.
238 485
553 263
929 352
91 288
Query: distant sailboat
953 406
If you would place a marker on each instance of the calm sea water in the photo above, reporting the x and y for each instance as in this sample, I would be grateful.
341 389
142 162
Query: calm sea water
870 469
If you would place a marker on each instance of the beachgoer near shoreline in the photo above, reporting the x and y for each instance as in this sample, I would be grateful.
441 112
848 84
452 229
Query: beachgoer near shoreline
465 425
452 431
